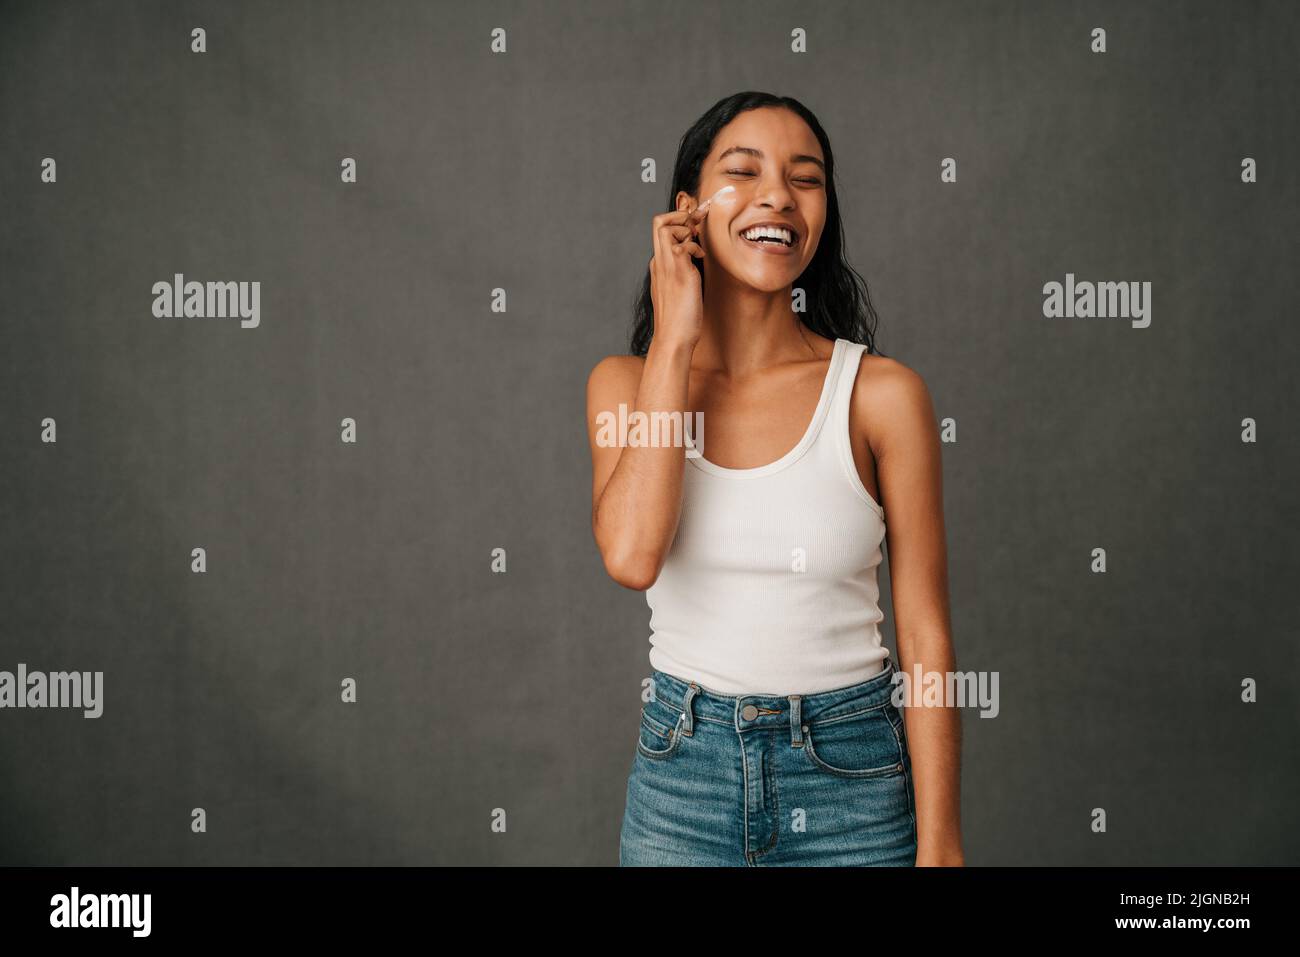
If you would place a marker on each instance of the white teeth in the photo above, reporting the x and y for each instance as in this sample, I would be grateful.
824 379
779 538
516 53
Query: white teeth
772 232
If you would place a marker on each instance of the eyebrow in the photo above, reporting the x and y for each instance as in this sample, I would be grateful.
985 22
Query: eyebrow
749 150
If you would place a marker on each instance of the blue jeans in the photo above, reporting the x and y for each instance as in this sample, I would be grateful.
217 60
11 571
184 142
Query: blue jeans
724 781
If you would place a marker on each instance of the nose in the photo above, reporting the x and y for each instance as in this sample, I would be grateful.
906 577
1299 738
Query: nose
774 191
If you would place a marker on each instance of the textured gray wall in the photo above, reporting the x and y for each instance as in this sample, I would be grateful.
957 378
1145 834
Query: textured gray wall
522 171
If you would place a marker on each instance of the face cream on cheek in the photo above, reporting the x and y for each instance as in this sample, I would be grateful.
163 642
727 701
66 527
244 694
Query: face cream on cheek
723 197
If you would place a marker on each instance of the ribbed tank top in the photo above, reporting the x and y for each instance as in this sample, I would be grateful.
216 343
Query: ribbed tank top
770 584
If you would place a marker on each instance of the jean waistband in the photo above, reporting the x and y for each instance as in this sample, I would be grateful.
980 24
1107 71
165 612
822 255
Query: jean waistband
694 702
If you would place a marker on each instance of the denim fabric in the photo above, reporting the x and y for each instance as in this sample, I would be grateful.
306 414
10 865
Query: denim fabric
725 781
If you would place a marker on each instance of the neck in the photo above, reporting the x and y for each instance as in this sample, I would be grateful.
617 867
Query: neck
747 329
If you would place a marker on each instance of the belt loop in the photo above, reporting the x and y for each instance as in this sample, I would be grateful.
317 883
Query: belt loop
796 728
688 719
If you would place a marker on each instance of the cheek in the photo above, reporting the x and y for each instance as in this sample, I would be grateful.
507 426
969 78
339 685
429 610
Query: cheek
716 231
814 240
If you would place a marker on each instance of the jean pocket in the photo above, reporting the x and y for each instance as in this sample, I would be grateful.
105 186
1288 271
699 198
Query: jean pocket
862 745
661 726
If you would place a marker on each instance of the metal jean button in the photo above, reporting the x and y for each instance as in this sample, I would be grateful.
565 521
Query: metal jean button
749 712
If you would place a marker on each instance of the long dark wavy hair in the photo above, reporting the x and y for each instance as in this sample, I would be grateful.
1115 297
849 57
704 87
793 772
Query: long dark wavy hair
838 300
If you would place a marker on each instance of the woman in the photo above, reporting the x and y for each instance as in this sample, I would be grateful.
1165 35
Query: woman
771 735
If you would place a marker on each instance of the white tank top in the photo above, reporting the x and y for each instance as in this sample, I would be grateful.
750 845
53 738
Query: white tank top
770 584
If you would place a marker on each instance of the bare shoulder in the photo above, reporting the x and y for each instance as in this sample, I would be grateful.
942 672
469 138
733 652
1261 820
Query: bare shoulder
889 399
614 378
614 375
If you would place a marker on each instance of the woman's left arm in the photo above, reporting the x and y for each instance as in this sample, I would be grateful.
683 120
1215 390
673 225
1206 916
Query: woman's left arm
903 436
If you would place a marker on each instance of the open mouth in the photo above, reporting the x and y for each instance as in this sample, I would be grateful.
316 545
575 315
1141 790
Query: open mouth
771 236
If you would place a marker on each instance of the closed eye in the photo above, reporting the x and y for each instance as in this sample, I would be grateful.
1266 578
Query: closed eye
810 180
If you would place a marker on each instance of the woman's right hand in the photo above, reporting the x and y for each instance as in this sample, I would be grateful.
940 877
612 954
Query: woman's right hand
675 289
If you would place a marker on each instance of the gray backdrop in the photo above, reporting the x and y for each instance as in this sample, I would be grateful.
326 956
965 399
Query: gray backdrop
522 171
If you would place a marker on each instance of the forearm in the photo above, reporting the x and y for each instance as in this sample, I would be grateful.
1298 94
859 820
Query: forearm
636 517
934 741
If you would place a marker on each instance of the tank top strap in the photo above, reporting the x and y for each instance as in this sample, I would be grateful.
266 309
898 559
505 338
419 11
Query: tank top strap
846 375
826 402
837 423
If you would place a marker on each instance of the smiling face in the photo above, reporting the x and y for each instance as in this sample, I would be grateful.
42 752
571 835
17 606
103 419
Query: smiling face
774 162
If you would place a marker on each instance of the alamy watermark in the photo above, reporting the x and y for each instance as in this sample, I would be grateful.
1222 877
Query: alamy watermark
637 429
947 689
1098 300
179 299
57 689
76 909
